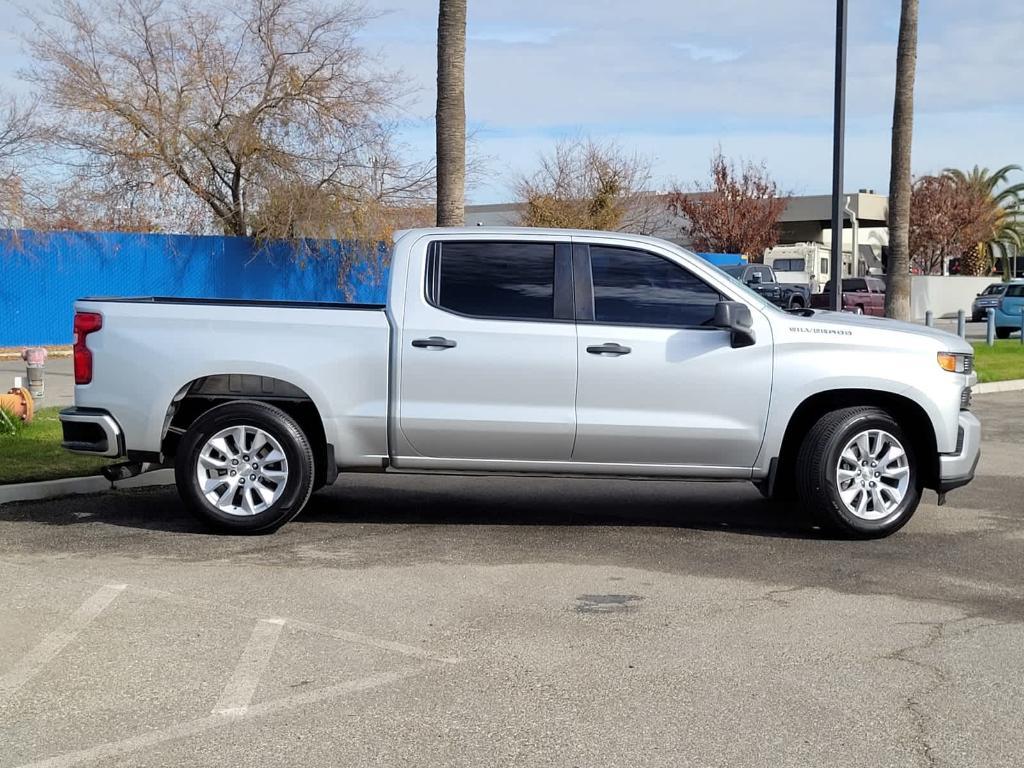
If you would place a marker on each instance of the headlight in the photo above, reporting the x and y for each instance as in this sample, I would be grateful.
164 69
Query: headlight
956 362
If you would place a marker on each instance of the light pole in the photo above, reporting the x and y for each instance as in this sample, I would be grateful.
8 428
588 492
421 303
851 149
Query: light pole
838 140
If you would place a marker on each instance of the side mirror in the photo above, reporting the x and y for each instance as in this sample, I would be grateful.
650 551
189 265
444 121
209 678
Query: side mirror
756 279
735 317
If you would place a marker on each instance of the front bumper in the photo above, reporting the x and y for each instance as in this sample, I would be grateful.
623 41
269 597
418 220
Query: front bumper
92 431
957 469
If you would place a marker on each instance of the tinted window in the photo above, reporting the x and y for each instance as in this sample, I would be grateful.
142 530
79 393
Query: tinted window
736 271
789 265
638 288
506 280
993 289
1015 291
857 286
766 274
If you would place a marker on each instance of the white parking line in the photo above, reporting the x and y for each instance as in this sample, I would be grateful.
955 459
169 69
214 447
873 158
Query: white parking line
32 663
341 634
372 642
237 694
214 722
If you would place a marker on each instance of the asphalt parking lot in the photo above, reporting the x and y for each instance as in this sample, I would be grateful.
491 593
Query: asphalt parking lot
508 621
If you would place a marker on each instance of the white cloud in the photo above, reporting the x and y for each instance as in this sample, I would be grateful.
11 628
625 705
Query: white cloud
703 53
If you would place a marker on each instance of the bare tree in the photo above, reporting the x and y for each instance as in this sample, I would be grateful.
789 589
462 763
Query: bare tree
450 123
19 136
584 184
232 105
737 212
897 295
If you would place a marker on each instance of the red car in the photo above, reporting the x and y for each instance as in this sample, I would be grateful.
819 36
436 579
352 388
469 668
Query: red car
860 294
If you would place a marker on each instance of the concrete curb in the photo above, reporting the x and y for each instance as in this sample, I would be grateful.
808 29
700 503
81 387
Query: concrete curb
1014 385
51 489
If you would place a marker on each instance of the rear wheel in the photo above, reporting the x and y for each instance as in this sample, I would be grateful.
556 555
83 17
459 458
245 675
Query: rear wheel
1003 333
245 467
857 473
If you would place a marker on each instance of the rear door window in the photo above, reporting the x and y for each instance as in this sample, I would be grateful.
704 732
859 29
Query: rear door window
511 281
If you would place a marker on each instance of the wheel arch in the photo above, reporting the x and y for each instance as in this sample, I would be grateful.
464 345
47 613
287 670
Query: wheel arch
909 414
199 395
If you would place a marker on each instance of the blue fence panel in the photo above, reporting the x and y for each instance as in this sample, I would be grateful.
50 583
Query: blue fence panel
42 273
724 259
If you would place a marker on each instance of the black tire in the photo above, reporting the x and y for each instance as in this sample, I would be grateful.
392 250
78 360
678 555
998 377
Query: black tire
293 442
796 303
816 472
1003 333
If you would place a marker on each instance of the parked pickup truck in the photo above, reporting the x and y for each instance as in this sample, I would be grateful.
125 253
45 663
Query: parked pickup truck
761 278
862 295
526 351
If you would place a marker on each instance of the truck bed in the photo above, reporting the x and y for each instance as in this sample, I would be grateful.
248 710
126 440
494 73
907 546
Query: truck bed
150 348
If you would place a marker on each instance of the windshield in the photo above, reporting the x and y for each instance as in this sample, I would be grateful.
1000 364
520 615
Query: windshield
997 288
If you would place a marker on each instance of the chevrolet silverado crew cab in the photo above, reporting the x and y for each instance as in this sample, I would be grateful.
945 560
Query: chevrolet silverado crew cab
526 351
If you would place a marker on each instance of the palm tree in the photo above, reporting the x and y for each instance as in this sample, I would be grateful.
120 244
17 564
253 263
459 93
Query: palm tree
897 295
451 113
1007 204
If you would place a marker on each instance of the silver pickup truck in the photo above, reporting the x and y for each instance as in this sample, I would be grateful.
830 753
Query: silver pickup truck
553 352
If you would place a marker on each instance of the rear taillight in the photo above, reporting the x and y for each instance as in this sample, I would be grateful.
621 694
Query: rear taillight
85 323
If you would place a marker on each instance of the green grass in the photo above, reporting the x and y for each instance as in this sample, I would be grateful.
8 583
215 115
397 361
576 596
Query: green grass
10 425
1002 362
34 453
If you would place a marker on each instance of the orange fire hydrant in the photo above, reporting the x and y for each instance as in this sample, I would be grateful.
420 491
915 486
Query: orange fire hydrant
18 401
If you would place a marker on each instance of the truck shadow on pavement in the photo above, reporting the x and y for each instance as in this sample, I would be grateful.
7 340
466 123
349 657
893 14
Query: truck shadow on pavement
478 501
522 501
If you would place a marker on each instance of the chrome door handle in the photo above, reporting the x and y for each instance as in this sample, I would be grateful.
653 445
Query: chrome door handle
609 348
434 342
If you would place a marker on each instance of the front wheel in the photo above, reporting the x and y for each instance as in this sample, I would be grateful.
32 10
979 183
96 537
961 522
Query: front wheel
857 473
245 467
1003 333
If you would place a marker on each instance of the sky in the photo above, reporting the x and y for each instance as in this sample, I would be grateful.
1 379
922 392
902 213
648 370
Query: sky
673 79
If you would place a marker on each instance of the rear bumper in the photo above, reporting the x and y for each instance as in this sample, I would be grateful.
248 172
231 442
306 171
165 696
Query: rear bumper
92 431
957 469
